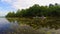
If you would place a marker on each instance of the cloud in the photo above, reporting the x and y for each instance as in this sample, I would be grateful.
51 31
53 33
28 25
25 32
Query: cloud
8 1
3 13
20 4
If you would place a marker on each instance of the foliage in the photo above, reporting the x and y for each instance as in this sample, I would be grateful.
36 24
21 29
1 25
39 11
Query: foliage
10 14
36 10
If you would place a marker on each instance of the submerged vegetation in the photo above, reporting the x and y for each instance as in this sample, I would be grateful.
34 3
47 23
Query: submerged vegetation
36 10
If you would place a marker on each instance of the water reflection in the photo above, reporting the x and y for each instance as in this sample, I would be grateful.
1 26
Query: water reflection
12 27
51 23
36 26
29 26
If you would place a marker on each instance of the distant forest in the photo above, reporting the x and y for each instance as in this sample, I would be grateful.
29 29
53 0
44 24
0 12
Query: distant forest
52 10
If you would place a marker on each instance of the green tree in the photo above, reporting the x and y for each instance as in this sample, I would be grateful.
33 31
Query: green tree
53 10
10 14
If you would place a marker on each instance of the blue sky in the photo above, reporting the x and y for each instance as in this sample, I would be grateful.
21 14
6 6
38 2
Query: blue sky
12 5
5 7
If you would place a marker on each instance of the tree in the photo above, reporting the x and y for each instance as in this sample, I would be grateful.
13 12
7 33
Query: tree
18 13
36 10
10 14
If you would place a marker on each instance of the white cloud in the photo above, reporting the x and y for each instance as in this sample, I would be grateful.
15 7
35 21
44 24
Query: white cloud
3 13
9 1
19 4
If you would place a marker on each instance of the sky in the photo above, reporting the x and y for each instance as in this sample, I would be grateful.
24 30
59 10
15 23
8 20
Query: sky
13 5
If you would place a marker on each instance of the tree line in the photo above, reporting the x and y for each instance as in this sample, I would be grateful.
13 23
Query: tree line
53 10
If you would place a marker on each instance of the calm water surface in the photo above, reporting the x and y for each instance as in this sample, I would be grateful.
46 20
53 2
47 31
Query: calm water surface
29 26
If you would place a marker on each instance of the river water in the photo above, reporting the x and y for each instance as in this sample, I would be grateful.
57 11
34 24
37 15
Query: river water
28 26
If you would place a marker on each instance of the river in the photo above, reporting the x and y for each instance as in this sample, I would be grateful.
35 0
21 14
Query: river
28 26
